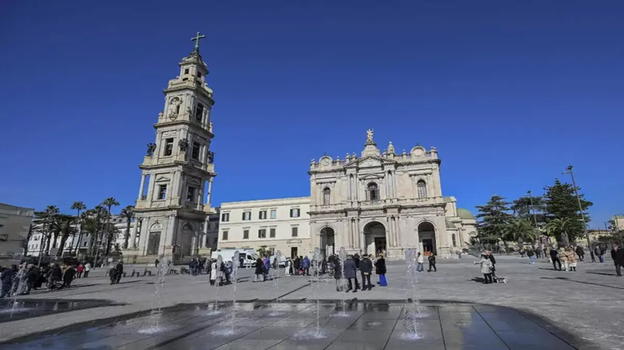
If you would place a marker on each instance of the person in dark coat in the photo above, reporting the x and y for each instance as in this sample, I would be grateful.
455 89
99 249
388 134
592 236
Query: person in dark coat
554 256
56 275
297 265
68 276
259 270
580 252
356 260
366 268
432 262
119 272
350 273
617 254
112 274
33 277
380 270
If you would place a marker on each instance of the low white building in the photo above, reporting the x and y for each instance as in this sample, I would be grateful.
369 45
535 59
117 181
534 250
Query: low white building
281 224
14 228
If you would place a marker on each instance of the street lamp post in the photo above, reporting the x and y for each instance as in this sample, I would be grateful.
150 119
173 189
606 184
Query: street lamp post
578 198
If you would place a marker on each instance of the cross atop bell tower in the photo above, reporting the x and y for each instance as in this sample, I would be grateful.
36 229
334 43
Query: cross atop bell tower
196 39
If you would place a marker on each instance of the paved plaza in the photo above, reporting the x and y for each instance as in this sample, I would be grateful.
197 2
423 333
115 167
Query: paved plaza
537 309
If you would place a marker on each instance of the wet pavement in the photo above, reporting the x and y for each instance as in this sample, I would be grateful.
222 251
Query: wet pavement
17 309
304 325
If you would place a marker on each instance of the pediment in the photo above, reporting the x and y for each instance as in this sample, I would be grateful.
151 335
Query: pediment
162 179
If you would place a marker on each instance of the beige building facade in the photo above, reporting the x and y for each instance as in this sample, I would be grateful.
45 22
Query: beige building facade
15 224
272 224
173 204
385 202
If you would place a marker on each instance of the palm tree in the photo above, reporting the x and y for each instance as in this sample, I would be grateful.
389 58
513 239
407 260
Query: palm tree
93 224
558 227
50 213
109 203
128 213
520 230
78 206
63 226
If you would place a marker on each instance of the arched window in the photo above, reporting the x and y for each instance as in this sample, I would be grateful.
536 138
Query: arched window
373 192
326 195
422 189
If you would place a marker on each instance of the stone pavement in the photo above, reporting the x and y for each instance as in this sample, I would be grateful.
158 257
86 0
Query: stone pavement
584 307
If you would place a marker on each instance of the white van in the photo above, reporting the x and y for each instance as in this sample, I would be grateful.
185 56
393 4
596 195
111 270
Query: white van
227 254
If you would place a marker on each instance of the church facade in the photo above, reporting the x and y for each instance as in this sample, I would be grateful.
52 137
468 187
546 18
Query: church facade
384 202
173 204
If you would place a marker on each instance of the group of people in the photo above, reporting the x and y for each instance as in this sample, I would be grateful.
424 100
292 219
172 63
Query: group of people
488 267
22 279
349 268
567 256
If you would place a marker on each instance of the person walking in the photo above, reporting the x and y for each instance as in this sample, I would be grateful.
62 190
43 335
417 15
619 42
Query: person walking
617 254
580 252
68 276
597 254
563 255
366 268
119 269
259 270
486 268
432 262
112 274
531 254
420 260
55 276
79 270
32 277
571 257
380 270
87 268
554 256
214 270
350 273
306 265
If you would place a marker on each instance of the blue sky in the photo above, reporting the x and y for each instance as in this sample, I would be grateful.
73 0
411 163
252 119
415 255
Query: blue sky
510 92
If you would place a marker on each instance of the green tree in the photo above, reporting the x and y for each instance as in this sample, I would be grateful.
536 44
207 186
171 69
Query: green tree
78 207
559 228
520 230
561 203
128 214
63 226
530 208
492 220
109 203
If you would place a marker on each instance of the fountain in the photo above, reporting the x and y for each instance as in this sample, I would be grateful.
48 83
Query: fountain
156 308
215 290
234 281
278 259
412 316
342 254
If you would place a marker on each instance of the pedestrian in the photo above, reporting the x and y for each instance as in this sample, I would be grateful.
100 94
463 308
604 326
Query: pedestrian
259 270
432 262
486 268
267 267
112 274
296 265
6 277
213 272
603 250
287 267
119 271
597 254
617 254
420 260
33 277
306 266
350 273
68 276
580 252
356 260
156 262
531 255
366 268
571 257
55 276
87 268
554 257
337 270
79 270
380 270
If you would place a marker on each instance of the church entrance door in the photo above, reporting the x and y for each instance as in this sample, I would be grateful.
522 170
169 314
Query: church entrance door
426 236
153 243
374 238
327 242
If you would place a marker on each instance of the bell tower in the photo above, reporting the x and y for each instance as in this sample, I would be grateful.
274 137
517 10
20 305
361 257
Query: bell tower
177 172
